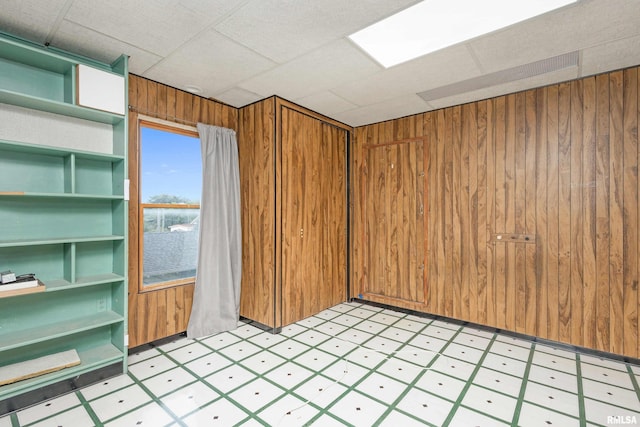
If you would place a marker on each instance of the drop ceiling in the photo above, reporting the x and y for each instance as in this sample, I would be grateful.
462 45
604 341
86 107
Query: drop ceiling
242 51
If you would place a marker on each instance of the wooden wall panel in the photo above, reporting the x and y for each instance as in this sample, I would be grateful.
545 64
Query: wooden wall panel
160 313
559 163
256 141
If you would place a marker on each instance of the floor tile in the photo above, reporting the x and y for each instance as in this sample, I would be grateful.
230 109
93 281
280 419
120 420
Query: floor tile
535 416
469 418
370 326
395 419
119 402
552 398
315 359
513 341
320 391
470 340
606 375
345 372
439 332
312 337
490 402
150 367
345 307
151 415
327 421
599 412
607 393
504 364
385 318
76 417
208 364
362 312
230 378
330 328
368 358
441 385
221 413
292 330
288 411
263 362
482 333
142 355
289 349
179 342
246 331
220 340
5 421
311 322
400 370
347 320
454 367
418 356
337 346
256 394
553 378
382 344
106 386
425 406
514 352
411 324
328 314
266 339
427 342
240 350
556 351
600 361
447 325
382 388
397 334
169 381
355 336
357 409
462 352
47 408
189 398
289 375
499 381
552 361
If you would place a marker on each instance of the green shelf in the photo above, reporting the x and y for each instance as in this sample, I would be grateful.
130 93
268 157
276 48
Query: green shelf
24 147
98 279
9 194
54 330
55 241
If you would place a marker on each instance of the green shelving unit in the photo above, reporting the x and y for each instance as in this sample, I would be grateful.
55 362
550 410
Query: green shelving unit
63 217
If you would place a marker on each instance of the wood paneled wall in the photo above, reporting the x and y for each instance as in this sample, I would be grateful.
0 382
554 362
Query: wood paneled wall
160 313
559 163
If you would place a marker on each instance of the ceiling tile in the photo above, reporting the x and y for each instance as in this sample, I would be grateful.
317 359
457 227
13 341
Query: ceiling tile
333 64
615 55
283 30
325 103
158 26
391 109
437 69
210 61
238 97
83 41
30 19
575 27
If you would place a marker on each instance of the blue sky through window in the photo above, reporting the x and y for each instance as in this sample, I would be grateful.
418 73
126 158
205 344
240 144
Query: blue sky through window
170 163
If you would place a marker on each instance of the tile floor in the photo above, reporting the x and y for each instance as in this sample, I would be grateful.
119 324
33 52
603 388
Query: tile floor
355 365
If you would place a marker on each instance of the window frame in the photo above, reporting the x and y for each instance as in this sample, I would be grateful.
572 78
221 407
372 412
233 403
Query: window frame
152 123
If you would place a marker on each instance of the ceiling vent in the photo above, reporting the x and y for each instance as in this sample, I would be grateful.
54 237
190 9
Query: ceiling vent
504 76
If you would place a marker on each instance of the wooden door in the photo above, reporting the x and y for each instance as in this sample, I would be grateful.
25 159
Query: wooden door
313 220
394 185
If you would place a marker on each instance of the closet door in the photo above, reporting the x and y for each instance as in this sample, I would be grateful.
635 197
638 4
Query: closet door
313 216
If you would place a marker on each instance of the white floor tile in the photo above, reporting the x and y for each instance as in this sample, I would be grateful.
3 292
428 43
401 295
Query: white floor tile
370 326
410 323
328 314
468 418
441 385
330 328
247 331
189 352
220 340
400 370
289 349
327 421
106 386
263 362
142 355
169 381
345 372
397 334
482 333
180 341
498 381
512 351
428 342
599 412
311 322
425 406
504 364
312 337
355 336
606 375
189 398
150 367
358 409
220 413
230 378
447 325
151 415
607 363
535 416
48 408
240 350
547 397
347 320
439 332
418 356
337 346
256 394
382 344
462 352
382 388
555 362
470 340
362 313
514 341
607 393
556 351
396 418
288 411
454 367
5 421
320 391
385 318
366 357
553 378
490 402
208 364
315 359
266 339
289 375
292 330
119 402
76 417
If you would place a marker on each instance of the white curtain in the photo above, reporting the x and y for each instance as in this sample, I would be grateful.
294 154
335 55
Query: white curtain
216 299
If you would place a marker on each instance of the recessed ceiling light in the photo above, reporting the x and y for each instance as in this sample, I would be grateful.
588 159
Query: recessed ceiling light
435 24
193 89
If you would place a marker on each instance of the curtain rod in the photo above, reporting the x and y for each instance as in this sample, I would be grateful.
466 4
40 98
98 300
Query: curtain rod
162 116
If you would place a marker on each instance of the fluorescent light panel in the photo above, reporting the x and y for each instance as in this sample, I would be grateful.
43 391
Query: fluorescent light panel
435 24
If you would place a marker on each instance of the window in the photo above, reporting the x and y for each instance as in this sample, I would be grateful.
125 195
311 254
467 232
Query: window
170 189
